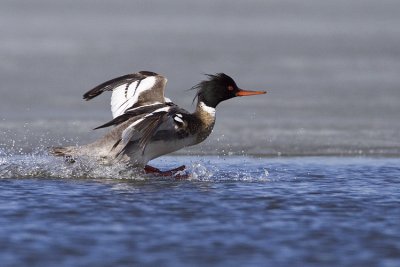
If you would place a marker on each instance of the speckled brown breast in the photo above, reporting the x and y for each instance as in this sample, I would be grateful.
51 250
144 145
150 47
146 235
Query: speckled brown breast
205 124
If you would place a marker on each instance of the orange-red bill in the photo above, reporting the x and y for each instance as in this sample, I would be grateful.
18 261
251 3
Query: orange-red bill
247 92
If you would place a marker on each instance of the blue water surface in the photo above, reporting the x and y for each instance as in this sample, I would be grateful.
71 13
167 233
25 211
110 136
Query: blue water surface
231 211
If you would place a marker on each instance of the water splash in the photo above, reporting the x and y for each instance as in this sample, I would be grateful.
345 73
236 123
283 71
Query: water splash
200 172
46 166
231 168
39 164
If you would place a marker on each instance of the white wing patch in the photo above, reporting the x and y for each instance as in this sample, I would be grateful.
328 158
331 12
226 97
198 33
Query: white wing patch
126 95
178 119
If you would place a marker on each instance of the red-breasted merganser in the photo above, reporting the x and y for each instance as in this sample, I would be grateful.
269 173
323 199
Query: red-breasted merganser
147 124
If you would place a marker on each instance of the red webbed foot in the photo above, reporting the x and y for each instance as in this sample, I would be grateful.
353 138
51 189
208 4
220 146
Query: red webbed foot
174 172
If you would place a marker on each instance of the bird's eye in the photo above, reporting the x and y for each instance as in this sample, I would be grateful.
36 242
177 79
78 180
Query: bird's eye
230 88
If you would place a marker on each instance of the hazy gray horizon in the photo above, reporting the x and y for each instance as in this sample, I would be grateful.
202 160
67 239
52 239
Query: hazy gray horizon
331 70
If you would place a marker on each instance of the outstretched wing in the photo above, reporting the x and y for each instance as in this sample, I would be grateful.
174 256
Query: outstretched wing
132 112
131 91
169 121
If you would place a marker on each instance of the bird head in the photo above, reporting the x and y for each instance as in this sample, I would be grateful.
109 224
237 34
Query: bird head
220 87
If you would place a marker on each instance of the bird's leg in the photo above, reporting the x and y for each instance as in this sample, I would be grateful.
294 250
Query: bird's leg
158 172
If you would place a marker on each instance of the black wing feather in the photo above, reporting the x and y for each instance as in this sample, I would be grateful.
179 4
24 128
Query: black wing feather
150 129
131 113
151 123
113 83
146 128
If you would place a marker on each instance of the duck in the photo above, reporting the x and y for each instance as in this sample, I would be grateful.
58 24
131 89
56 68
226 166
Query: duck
146 124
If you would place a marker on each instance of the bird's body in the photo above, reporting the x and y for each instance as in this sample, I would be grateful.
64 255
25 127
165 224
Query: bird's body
147 124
